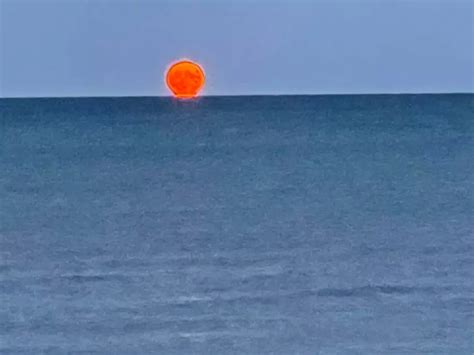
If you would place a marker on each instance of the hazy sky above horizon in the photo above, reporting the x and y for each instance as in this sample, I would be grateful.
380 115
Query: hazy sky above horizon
121 48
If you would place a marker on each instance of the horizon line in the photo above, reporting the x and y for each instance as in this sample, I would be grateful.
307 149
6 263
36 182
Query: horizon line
235 95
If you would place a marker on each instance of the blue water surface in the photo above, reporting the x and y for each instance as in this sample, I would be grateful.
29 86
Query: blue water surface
237 225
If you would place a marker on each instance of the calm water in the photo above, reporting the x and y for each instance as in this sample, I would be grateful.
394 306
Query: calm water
247 225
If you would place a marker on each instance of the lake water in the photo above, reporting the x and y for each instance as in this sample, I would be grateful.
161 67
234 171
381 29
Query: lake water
237 225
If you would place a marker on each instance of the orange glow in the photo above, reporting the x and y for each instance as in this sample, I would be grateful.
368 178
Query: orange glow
185 79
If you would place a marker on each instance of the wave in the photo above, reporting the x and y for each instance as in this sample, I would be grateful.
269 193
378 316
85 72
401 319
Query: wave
371 290
82 278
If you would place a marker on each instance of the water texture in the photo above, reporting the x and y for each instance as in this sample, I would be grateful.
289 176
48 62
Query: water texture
237 225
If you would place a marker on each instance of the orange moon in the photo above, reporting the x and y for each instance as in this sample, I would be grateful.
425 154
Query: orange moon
185 79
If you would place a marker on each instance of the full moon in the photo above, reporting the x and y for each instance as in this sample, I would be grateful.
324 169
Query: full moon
185 79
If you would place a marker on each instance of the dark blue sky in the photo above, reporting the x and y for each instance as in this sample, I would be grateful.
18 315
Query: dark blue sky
108 48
